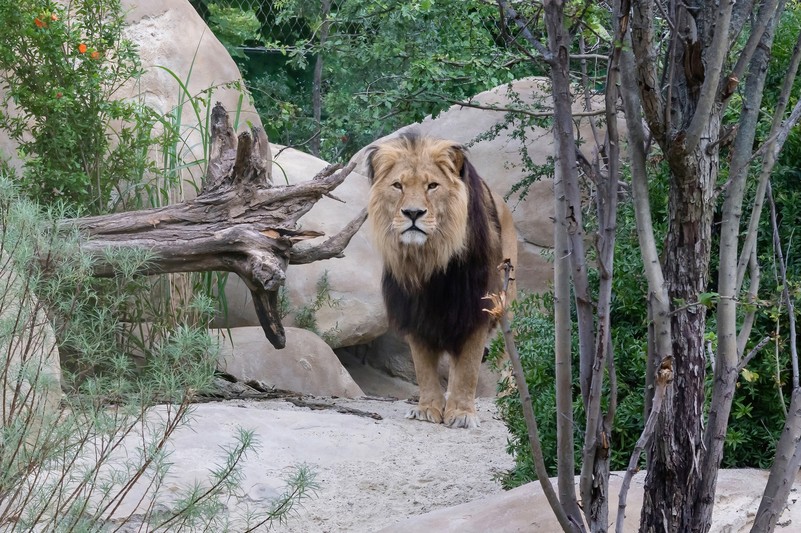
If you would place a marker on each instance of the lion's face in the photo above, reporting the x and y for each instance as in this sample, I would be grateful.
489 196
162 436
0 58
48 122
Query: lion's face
418 205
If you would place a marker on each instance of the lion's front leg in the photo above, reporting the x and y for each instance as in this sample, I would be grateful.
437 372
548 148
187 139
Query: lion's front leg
432 399
460 409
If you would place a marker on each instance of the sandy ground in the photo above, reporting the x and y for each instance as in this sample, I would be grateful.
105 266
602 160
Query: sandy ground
386 473
371 473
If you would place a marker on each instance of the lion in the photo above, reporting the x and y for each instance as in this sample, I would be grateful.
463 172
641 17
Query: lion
441 233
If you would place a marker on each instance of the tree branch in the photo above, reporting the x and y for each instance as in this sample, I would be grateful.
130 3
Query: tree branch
239 223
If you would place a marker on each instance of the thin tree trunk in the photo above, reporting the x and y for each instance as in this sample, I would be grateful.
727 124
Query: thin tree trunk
569 218
727 357
317 81
783 472
562 350
569 524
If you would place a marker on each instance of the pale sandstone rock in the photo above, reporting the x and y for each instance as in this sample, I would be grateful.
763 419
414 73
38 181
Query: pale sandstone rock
307 365
525 508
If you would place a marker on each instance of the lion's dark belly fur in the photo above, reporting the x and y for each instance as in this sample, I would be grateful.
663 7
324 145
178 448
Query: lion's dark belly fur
447 309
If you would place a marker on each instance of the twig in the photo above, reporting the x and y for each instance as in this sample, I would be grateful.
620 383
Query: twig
338 408
663 377
755 350
528 410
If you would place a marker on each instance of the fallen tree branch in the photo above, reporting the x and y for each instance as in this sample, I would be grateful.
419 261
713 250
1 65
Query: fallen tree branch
239 223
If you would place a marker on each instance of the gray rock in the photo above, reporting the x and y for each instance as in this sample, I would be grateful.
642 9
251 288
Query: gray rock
307 364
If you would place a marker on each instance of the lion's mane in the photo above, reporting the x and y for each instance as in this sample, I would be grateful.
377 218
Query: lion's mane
436 292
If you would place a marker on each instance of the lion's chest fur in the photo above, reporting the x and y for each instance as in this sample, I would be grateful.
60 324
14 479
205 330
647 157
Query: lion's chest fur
447 308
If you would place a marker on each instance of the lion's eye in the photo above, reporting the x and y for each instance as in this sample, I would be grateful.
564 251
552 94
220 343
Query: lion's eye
432 186
397 185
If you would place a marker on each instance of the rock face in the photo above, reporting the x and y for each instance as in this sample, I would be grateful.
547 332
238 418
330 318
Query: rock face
172 36
307 364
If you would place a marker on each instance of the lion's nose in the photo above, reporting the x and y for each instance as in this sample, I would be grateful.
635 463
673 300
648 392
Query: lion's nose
413 214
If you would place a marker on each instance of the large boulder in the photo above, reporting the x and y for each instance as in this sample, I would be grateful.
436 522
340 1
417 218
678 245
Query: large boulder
307 365
174 39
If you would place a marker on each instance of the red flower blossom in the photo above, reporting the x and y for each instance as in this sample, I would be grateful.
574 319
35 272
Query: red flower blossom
95 55
39 22
81 48
53 17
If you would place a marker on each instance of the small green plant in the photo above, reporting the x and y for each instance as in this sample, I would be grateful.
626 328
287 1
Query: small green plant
306 316
62 68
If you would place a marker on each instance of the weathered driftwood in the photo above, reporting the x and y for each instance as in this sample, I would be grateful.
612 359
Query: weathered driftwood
239 223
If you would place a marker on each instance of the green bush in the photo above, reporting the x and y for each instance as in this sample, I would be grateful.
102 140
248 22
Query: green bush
62 69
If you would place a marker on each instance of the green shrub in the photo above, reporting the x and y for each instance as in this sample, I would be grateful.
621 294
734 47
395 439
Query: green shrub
61 70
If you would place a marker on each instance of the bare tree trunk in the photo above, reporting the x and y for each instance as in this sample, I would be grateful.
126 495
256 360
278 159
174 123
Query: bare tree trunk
727 358
569 524
788 450
317 81
685 122
784 470
239 223
570 222
671 486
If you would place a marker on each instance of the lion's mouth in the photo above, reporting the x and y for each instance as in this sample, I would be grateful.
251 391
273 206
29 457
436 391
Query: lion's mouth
413 228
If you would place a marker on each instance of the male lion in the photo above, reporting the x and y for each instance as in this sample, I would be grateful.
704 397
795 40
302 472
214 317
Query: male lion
441 233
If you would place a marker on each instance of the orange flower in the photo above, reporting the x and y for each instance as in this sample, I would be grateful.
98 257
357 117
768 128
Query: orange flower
81 48
95 55
39 22
53 17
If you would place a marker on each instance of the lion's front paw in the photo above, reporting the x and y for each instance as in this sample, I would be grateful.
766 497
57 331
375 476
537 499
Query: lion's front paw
425 413
459 418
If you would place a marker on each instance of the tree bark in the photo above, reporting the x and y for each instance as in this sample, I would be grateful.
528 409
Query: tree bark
570 230
317 81
685 122
239 223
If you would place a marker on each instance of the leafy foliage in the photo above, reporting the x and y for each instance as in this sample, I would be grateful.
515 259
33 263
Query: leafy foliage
60 68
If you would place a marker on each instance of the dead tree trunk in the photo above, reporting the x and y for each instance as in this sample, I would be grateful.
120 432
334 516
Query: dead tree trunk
239 223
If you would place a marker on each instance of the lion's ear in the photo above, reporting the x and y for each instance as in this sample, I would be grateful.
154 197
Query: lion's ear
380 160
370 169
457 156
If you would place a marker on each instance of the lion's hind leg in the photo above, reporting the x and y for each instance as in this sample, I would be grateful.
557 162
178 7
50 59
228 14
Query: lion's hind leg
460 409
432 398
